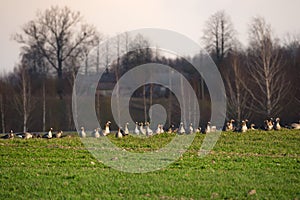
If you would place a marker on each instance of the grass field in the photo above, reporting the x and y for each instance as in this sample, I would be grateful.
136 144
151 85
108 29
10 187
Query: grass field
254 165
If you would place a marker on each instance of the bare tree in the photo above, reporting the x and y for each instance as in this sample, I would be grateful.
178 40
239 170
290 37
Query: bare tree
218 35
2 85
265 65
23 101
59 33
237 96
141 54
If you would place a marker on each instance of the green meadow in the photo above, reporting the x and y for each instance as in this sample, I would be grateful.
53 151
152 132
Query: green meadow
252 165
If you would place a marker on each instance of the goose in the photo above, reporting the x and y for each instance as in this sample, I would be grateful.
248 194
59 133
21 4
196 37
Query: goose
126 131
268 125
191 128
296 125
49 134
96 133
161 128
170 130
229 125
142 130
58 134
82 133
119 134
9 136
149 131
158 130
198 130
181 128
244 126
252 127
208 128
136 130
27 135
106 130
277 124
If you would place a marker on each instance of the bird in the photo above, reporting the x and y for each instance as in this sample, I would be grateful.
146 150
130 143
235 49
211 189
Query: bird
170 130
49 134
252 127
119 134
191 128
96 133
229 125
142 130
296 125
58 134
161 128
158 130
208 128
181 128
106 130
136 130
126 131
9 135
268 125
244 127
149 131
27 135
277 124
198 130
82 133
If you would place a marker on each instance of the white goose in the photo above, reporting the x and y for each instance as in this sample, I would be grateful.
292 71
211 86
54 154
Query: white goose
126 131
208 128
149 131
191 128
158 130
244 126
296 125
181 128
82 133
119 134
136 130
106 130
277 124
96 133
27 135
161 128
142 130
58 134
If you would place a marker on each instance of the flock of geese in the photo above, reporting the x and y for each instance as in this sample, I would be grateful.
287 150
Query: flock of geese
28 135
145 130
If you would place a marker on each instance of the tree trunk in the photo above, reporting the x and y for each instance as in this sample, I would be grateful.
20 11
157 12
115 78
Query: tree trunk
44 106
145 105
268 96
24 96
2 113
183 112
238 99
60 81
170 100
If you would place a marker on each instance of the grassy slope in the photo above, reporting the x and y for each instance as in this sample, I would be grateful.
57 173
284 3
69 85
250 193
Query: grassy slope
268 162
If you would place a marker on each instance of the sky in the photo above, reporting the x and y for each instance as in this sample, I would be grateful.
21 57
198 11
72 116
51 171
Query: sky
111 17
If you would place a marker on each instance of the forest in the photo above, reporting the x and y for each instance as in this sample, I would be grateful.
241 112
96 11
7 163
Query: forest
262 79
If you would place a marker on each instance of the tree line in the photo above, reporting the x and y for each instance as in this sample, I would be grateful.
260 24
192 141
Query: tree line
261 80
